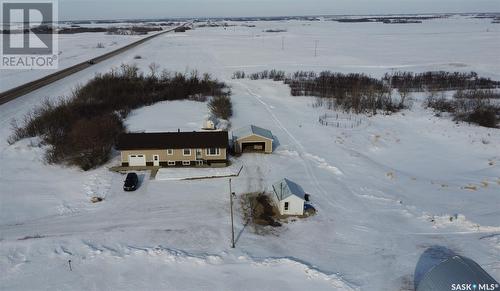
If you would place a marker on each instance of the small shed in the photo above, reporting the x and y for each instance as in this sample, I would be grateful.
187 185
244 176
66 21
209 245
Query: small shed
252 139
289 197
456 270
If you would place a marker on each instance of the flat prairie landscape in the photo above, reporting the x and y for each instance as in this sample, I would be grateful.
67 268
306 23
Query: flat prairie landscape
386 187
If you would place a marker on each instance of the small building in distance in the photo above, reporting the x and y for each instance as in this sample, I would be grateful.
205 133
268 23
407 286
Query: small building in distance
288 197
170 149
252 138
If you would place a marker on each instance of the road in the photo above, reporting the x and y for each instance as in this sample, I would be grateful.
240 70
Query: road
19 91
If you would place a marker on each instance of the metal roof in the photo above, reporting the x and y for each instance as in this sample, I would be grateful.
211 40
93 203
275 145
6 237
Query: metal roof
172 140
250 130
286 188
454 270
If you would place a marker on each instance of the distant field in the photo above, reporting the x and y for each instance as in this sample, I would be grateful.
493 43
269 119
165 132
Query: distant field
386 187
73 49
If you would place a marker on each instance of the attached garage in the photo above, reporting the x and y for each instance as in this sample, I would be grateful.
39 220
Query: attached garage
137 160
252 139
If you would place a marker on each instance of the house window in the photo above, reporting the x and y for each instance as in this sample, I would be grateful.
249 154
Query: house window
286 206
187 152
170 152
171 163
186 163
213 151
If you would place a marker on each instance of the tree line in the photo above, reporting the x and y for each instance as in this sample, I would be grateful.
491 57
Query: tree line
360 93
438 81
81 129
475 106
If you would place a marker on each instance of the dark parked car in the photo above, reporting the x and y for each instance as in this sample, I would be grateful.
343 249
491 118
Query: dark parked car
131 182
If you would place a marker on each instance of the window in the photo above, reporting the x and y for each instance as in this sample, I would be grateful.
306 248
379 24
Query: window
213 151
171 163
287 205
187 152
186 163
170 152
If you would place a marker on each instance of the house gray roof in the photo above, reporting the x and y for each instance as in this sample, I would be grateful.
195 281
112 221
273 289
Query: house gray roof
250 130
454 270
286 188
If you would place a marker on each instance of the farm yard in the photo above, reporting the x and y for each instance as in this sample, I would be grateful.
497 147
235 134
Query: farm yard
386 187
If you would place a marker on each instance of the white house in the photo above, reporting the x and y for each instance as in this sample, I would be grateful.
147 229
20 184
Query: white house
288 197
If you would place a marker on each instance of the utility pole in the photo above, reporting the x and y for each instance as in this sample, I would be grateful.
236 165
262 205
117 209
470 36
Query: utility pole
232 221
316 48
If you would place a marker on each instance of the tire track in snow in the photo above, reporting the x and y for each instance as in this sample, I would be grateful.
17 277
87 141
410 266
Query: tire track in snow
304 155
306 159
297 143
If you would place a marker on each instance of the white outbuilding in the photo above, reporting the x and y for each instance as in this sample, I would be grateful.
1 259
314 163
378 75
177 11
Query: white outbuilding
288 197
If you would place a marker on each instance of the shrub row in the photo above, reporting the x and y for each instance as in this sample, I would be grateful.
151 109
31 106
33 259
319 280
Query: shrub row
475 106
361 93
438 81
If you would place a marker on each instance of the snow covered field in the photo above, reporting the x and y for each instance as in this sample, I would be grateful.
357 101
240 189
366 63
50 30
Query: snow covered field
74 49
384 191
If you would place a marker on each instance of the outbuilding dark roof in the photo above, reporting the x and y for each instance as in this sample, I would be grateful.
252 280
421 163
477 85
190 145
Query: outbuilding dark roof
173 140
455 270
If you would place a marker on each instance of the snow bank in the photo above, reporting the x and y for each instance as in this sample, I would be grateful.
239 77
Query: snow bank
128 267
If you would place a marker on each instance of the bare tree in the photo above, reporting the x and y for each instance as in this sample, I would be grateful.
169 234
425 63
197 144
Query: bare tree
153 69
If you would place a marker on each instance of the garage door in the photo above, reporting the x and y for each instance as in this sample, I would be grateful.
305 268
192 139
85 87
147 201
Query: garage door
136 160
253 146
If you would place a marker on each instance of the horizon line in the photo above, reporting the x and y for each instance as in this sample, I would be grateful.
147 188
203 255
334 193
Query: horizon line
276 16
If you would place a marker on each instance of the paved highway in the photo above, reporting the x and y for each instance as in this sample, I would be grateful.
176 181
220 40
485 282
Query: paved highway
16 92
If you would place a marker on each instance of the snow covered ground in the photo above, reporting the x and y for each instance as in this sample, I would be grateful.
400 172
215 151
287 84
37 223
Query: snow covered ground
73 49
385 191
169 174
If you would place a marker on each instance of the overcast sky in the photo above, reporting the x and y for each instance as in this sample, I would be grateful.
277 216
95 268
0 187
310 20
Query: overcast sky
119 9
